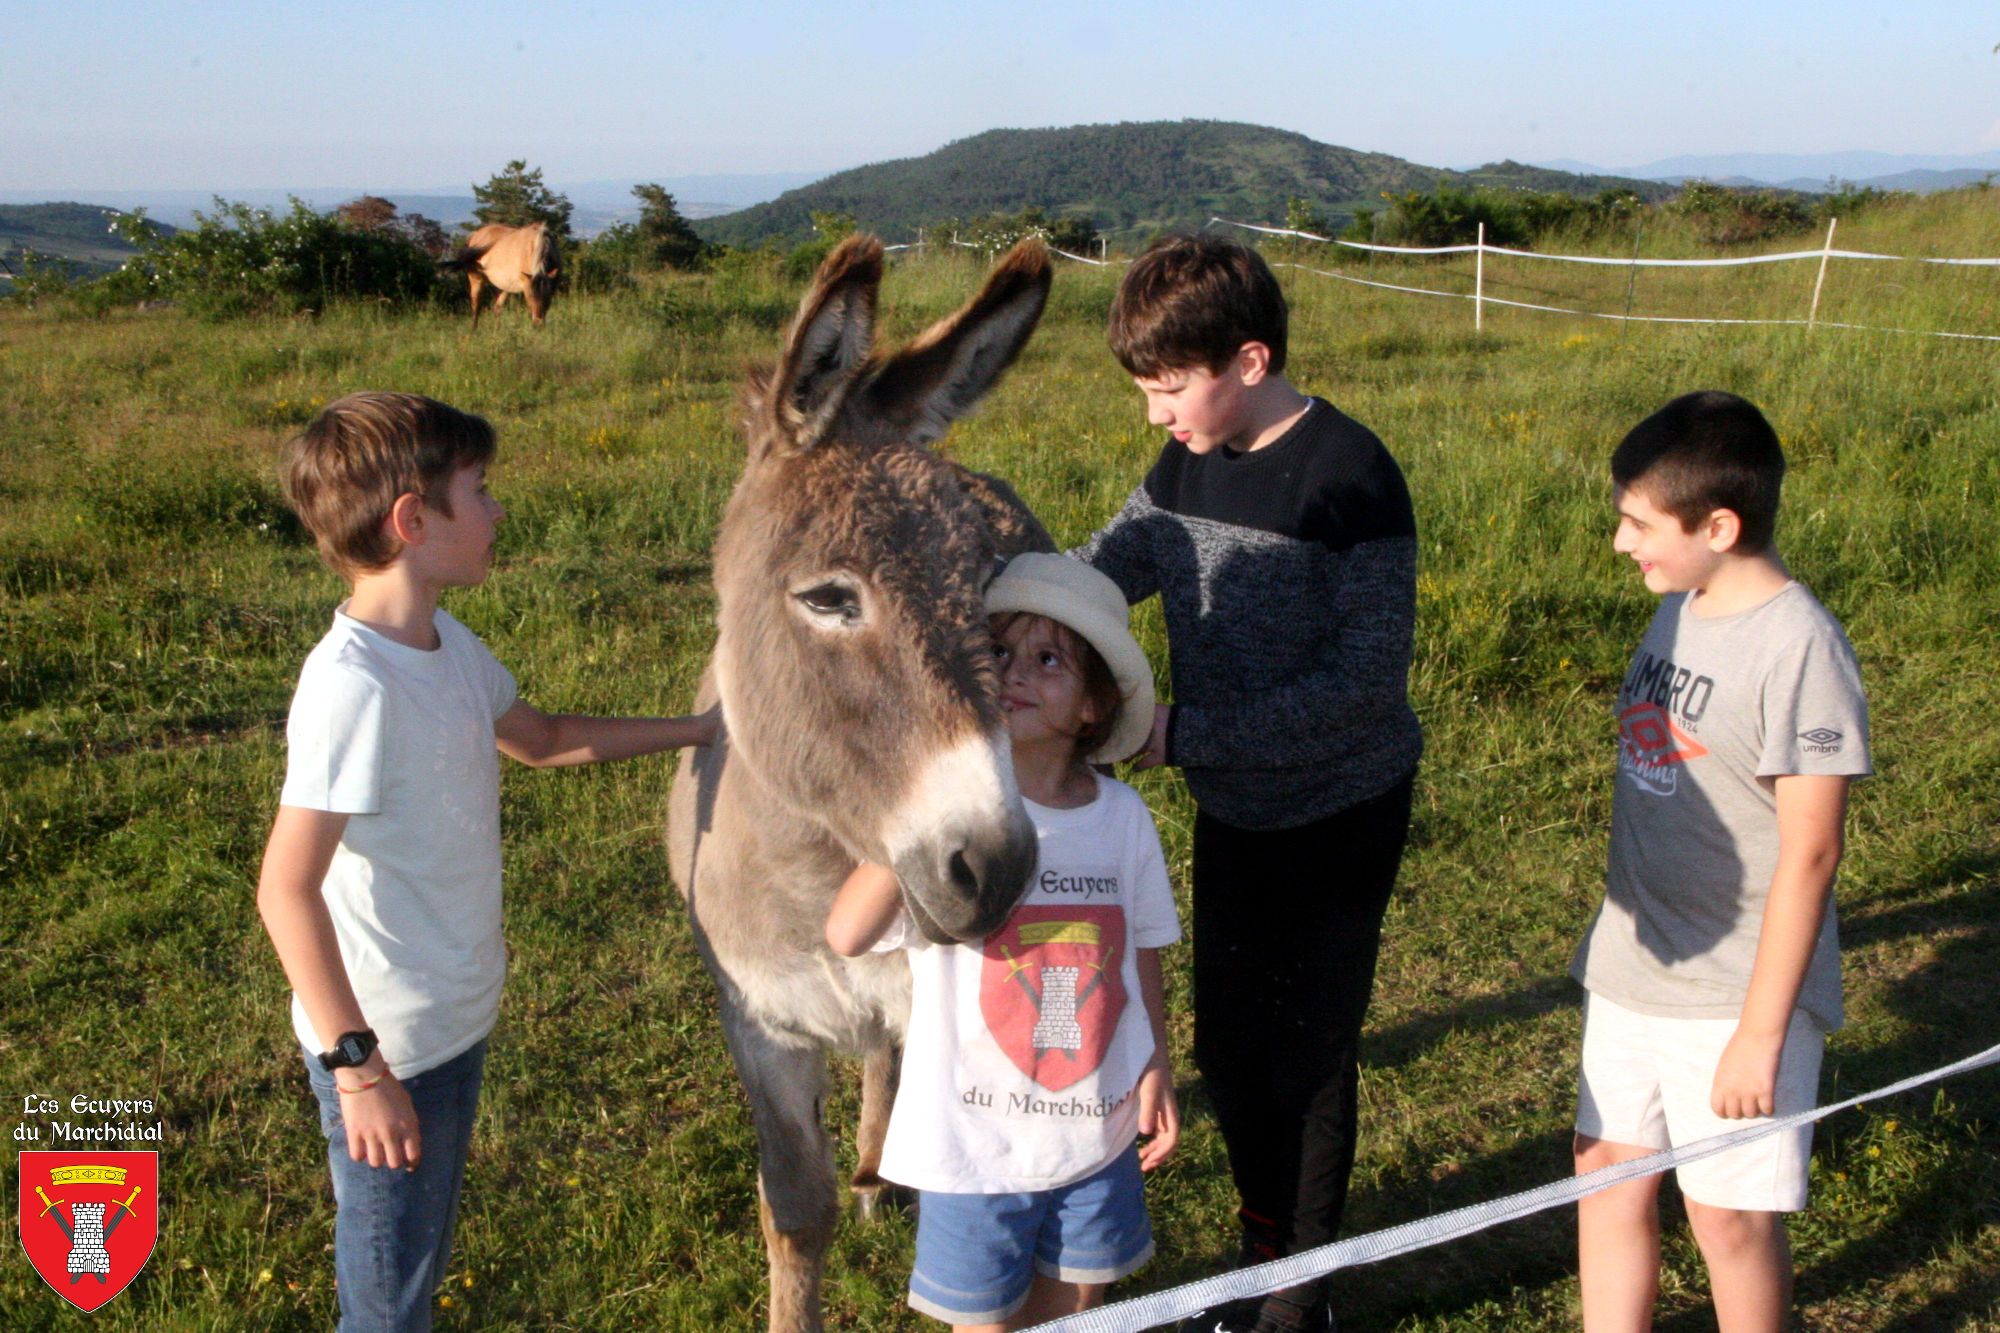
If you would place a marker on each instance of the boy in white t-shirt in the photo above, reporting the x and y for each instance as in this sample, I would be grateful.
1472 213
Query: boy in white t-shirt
380 886
1037 1055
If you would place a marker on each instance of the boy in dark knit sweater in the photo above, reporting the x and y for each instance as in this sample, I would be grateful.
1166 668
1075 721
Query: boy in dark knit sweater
1279 535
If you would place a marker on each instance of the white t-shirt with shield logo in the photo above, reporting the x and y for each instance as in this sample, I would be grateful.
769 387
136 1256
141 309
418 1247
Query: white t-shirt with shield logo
1022 1063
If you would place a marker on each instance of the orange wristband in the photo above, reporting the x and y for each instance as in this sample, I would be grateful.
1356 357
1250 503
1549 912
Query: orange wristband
364 1087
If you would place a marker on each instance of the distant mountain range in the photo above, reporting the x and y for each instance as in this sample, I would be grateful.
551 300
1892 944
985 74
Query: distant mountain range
1139 176
599 203
1919 172
1135 177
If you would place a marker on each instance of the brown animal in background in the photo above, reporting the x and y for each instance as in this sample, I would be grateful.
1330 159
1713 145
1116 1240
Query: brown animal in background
861 719
511 259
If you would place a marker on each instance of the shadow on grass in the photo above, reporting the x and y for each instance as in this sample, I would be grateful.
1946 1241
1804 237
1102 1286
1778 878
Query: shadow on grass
1948 1007
687 572
1405 1042
1527 1255
1974 1306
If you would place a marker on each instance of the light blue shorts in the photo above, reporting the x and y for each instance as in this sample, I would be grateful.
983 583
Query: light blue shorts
977 1254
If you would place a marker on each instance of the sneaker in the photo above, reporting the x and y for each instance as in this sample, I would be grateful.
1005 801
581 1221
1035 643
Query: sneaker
1269 1314
1293 1310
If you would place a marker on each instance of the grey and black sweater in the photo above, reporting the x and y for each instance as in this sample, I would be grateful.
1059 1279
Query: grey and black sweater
1288 578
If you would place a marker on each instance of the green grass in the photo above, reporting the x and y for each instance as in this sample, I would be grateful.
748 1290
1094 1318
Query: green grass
156 601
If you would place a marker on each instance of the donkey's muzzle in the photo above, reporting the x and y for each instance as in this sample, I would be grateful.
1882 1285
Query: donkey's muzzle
972 882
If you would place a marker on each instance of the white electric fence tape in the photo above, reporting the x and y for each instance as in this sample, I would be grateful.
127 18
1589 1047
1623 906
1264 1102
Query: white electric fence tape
1081 259
1636 319
1634 262
996 248
1166 1306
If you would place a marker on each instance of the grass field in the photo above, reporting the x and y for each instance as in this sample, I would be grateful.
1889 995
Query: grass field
156 601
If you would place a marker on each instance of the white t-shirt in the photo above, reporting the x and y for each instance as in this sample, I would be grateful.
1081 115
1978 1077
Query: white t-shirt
402 741
1022 1063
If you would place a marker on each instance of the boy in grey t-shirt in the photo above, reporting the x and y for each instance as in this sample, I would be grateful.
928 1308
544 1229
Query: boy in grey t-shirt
1712 970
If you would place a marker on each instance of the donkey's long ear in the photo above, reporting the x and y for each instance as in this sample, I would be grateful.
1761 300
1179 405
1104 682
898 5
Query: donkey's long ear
832 334
936 379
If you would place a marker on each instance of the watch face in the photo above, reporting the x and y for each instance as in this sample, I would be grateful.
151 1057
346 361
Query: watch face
351 1049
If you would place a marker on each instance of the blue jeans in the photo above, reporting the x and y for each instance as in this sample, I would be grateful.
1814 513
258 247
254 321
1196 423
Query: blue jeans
392 1228
977 1254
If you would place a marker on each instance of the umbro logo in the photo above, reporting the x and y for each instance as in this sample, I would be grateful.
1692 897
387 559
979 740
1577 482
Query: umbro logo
1822 740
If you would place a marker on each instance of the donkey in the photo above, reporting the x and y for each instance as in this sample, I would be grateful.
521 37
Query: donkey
511 259
854 669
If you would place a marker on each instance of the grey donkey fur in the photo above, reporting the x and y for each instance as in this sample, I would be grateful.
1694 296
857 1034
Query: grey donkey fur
861 718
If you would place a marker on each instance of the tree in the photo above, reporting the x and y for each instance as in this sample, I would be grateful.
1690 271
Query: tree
426 234
517 197
371 212
665 238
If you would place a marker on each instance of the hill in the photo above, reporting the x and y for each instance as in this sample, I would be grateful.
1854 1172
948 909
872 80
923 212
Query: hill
1916 180
79 233
1812 173
1145 176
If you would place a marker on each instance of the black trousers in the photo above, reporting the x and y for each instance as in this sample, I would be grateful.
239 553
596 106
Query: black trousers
1287 925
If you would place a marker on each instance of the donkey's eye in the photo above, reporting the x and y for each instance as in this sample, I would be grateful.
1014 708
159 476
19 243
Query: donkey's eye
832 599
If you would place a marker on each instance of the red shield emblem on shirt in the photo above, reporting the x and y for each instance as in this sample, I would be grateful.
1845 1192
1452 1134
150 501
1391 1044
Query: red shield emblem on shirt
1051 989
89 1220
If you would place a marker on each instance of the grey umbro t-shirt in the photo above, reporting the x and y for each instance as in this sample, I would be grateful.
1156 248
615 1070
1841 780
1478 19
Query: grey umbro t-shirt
1712 712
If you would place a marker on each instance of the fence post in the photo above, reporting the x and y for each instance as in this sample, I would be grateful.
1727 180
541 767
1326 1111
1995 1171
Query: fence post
1632 280
1479 281
1826 253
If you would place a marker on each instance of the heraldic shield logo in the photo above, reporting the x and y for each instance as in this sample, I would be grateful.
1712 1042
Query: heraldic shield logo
1051 988
89 1220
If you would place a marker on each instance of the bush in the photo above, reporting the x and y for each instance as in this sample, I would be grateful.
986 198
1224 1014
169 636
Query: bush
1303 215
1722 216
1845 199
239 260
601 265
829 230
999 231
660 239
38 277
1451 216
802 261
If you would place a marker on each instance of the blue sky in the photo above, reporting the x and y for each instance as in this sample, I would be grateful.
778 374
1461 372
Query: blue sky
275 94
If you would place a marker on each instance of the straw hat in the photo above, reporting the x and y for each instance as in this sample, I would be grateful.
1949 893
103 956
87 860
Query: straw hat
1071 593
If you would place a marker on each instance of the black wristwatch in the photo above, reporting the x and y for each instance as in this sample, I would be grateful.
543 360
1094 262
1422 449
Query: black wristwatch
349 1050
